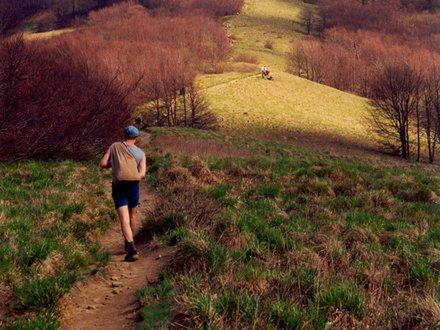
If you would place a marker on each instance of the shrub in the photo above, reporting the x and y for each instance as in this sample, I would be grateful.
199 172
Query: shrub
49 96
268 44
161 55
61 94
245 58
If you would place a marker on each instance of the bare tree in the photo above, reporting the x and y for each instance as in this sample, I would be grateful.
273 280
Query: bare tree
307 18
431 115
395 98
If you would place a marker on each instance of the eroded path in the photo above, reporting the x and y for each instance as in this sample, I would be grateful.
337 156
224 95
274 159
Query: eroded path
109 301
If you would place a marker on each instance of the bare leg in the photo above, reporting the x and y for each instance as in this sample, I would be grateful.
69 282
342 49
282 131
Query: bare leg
124 219
133 220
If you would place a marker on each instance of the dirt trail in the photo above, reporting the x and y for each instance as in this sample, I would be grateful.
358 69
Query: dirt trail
109 301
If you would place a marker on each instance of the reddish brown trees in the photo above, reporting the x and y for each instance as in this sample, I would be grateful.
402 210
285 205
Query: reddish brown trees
396 90
69 96
55 103
165 51
211 7
385 51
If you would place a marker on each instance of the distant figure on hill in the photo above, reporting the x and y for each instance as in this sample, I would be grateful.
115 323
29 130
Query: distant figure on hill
128 166
265 73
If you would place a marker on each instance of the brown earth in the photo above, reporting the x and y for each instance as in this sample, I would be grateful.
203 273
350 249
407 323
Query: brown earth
108 301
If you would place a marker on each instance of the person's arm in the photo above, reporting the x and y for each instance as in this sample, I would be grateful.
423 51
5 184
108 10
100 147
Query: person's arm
105 161
143 167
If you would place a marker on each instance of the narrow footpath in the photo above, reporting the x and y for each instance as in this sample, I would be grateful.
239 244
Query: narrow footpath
109 301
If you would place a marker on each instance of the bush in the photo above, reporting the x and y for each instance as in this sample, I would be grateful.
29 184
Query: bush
245 58
161 55
49 102
268 44
69 96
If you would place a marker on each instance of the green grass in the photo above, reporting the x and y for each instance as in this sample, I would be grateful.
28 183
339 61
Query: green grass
247 104
344 297
42 322
48 214
297 239
156 302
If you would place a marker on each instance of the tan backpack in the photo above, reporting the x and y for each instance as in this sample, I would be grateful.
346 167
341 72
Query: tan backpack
124 165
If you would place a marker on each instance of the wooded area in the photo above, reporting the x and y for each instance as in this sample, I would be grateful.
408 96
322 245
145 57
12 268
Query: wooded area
68 96
386 51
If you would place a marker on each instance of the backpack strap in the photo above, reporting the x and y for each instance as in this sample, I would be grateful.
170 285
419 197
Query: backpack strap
128 149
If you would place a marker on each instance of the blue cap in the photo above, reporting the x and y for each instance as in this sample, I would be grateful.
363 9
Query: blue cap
131 132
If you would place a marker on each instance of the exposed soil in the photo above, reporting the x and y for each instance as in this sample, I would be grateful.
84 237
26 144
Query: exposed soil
108 301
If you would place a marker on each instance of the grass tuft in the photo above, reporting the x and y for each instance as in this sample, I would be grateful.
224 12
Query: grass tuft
290 238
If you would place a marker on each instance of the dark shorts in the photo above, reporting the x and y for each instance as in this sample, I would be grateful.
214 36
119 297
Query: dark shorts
126 194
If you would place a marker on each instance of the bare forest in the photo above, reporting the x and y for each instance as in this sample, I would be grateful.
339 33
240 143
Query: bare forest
61 93
387 51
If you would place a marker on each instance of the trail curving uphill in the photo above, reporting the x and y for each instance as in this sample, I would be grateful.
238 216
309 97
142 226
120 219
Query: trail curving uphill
109 301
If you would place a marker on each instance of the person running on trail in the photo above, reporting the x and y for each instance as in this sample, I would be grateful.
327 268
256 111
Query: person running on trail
128 166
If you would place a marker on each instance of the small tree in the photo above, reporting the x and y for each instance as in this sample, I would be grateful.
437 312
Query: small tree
431 110
395 99
307 18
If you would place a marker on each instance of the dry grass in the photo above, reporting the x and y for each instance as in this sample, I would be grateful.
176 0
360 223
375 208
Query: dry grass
195 146
247 104
290 238
46 35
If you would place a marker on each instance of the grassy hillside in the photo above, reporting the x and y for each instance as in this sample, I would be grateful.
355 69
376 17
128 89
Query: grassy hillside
287 104
269 235
49 213
282 237
245 102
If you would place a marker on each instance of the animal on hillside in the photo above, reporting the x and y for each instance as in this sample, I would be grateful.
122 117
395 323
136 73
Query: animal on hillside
265 73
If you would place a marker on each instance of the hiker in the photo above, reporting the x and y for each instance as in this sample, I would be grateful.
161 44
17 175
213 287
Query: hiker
265 73
128 166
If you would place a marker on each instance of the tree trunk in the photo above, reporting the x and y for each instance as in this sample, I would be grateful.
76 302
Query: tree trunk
418 132
185 110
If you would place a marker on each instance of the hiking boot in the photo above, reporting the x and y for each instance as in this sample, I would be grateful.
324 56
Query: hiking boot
130 257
